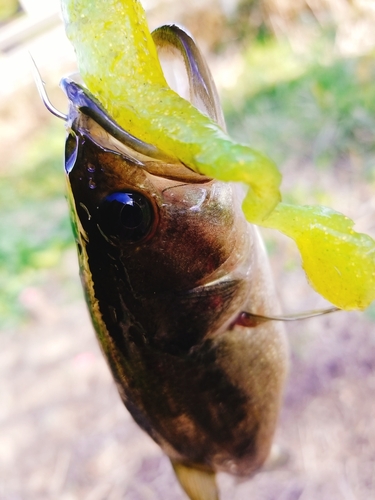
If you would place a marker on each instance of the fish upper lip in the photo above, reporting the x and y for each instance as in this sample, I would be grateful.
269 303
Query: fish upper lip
81 99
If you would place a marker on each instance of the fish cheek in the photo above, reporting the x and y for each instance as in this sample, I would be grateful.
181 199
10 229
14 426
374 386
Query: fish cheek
187 247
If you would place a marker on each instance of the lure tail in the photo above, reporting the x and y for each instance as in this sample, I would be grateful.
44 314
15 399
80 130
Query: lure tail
198 484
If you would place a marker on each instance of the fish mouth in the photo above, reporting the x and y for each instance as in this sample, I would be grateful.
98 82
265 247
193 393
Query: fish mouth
82 100
87 117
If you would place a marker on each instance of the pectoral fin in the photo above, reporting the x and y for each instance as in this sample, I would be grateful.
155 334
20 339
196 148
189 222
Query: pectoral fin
198 484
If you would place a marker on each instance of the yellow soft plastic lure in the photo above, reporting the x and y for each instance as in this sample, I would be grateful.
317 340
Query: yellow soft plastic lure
119 64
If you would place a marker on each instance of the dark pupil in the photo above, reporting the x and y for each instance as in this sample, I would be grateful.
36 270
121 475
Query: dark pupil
125 215
131 215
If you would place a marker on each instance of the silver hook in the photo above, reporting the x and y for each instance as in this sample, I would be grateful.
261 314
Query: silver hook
43 94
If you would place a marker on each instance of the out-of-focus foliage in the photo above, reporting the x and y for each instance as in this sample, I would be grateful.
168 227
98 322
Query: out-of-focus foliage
58 440
8 8
34 225
304 108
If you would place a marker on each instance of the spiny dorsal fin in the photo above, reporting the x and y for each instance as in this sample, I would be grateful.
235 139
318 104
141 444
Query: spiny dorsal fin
173 43
198 484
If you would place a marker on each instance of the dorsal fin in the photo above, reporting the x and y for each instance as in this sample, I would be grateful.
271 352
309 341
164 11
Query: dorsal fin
176 50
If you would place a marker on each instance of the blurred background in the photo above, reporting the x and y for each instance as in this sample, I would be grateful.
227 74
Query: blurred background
296 78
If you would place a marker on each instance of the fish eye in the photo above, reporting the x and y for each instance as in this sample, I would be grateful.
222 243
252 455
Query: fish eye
126 215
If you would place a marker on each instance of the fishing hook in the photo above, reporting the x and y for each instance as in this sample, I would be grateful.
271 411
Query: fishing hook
43 94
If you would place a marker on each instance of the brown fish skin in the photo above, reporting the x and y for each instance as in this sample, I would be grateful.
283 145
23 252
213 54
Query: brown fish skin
165 307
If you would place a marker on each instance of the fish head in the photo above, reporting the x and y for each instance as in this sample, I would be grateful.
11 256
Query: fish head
159 244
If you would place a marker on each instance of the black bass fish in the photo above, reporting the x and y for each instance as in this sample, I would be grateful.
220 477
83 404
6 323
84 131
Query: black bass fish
178 287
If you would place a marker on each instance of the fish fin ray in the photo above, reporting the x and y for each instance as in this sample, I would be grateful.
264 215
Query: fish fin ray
178 44
198 484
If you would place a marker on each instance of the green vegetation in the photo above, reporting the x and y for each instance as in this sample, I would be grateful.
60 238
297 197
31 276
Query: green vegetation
35 227
291 105
7 9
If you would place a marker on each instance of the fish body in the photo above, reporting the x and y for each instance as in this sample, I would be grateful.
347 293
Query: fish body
168 263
